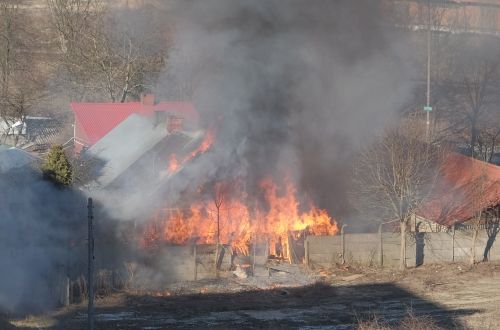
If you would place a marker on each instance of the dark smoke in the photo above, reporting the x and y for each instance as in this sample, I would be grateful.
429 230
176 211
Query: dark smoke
298 85
40 237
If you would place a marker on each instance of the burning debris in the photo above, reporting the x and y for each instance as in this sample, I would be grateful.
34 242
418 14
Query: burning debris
239 224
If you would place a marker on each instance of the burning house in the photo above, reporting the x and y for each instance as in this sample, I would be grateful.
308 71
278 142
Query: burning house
150 168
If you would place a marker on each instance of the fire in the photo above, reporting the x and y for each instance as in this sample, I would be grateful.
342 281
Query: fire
230 216
240 225
173 164
204 146
208 140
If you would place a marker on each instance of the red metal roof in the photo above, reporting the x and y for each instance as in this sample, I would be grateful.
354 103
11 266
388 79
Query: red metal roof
466 186
94 120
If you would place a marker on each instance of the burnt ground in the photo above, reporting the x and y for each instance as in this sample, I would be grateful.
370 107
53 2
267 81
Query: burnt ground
454 296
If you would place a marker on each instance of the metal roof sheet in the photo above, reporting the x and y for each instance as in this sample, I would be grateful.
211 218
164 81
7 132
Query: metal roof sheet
98 119
466 186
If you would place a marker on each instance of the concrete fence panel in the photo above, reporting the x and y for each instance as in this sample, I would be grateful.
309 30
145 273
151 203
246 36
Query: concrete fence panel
323 251
391 243
362 248
383 249
436 247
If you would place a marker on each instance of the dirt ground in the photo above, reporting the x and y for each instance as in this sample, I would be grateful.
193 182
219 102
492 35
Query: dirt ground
454 296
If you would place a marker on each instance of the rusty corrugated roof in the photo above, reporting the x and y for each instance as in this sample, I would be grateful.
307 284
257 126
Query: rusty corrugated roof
466 185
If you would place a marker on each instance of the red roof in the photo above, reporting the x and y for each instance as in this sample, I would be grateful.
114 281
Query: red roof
94 120
466 186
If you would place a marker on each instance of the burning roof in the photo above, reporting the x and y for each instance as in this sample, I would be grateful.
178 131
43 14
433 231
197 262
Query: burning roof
128 143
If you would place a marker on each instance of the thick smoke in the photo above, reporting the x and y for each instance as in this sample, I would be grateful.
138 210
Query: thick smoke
297 85
293 86
40 236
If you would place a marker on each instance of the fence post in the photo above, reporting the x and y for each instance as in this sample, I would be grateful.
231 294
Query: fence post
381 250
342 237
453 243
307 253
253 260
195 263
90 275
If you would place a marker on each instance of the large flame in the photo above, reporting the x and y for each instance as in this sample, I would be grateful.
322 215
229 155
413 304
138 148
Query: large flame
205 144
230 216
239 224
174 165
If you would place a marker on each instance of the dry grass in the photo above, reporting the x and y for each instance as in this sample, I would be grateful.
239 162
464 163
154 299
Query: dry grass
375 323
409 322
413 322
34 322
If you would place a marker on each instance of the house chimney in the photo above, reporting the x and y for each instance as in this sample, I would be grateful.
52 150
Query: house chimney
174 123
147 100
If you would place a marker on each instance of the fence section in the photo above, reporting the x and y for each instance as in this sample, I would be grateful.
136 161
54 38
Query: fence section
383 249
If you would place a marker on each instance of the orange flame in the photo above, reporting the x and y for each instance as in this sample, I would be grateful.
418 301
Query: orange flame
239 224
205 145
207 142
173 164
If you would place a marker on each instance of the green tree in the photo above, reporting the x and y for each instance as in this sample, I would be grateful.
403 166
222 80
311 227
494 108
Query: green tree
56 167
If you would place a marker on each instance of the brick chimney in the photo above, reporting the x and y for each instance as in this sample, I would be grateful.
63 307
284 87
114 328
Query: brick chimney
174 123
147 100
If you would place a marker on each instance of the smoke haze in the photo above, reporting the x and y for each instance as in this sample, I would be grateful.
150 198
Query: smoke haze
39 234
298 85
294 87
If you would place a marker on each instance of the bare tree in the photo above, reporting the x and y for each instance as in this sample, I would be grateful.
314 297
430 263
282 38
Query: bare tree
477 190
488 138
103 59
492 222
483 214
477 96
10 42
471 94
218 197
21 78
395 175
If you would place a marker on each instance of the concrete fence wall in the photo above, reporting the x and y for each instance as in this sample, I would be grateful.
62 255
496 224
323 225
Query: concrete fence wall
187 263
383 249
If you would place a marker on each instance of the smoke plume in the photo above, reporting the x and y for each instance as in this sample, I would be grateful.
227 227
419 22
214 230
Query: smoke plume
297 85
39 238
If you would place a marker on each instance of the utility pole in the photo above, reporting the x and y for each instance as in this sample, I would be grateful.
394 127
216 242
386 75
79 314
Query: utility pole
90 275
428 107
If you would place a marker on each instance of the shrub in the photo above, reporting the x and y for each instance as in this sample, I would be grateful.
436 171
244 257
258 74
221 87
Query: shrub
56 167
